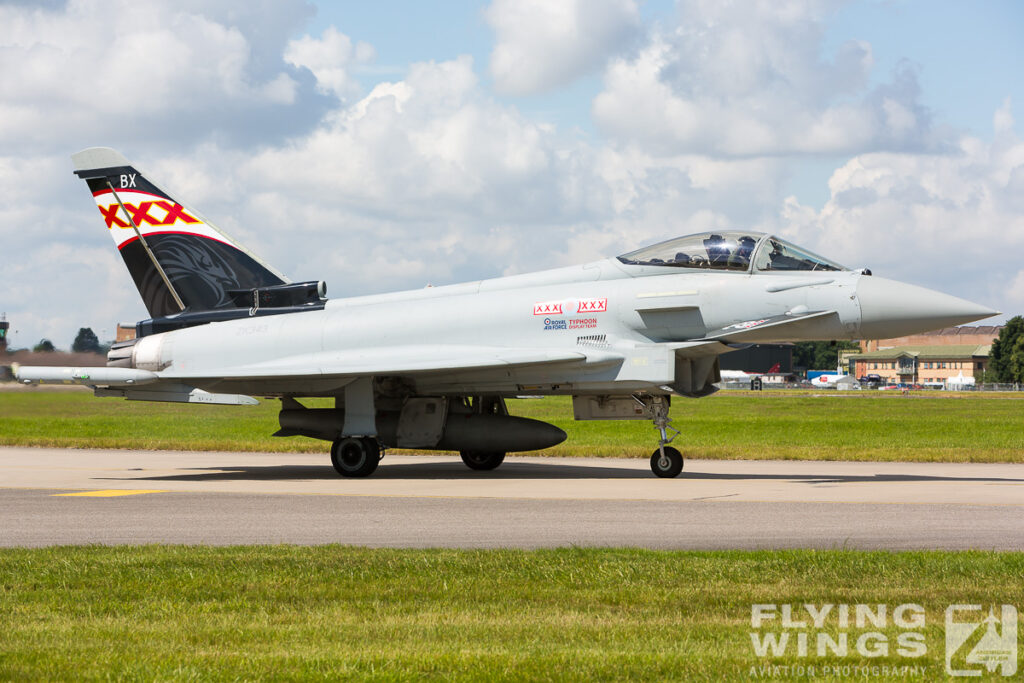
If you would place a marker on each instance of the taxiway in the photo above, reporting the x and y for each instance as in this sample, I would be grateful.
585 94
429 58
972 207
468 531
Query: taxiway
67 496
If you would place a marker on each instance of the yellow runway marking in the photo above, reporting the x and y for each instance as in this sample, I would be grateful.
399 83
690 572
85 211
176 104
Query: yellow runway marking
108 493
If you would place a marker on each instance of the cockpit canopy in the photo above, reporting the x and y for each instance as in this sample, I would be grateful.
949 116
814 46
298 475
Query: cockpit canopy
735 251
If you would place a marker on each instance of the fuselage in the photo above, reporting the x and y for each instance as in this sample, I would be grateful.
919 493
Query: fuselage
605 308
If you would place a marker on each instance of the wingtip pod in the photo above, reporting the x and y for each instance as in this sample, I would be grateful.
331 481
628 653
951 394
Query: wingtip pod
89 376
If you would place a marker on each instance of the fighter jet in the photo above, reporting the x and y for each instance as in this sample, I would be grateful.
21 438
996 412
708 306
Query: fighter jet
432 368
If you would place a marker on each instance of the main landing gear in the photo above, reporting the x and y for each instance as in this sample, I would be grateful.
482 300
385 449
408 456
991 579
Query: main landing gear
355 456
482 460
666 461
359 457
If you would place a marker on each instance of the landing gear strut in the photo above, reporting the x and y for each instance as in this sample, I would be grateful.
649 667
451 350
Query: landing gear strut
355 456
666 461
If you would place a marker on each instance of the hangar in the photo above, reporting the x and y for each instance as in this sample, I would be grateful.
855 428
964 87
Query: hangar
760 358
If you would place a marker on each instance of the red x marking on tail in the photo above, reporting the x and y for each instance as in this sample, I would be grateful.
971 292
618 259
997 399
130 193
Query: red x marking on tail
174 212
110 216
140 213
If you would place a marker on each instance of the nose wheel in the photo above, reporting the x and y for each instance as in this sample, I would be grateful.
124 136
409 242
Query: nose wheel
355 456
667 462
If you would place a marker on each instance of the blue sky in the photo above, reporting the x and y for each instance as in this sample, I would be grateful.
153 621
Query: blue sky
970 54
389 145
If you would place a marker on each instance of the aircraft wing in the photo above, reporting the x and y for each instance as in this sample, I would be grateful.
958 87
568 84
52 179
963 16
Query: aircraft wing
180 385
129 383
399 360
775 327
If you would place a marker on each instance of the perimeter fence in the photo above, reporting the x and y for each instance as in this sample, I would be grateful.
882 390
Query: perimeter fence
804 386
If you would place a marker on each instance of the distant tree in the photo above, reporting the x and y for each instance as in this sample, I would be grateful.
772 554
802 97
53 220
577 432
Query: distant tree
86 341
44 346
820 355
986 377
1006 360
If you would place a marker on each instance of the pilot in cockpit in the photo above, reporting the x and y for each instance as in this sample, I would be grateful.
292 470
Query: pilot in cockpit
718 250
733 251
746 248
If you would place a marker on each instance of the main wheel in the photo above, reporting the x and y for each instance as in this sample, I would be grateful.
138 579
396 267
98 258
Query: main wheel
353 457
482 460
669 466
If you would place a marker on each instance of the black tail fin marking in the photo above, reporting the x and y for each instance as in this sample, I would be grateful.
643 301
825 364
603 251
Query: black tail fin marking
154 233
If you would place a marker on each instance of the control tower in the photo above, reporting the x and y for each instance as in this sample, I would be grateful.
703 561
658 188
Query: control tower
4 326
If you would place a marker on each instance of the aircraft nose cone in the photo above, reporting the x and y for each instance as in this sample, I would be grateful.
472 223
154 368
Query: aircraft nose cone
893 309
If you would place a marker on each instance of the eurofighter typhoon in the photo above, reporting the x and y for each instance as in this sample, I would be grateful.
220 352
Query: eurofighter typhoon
432 368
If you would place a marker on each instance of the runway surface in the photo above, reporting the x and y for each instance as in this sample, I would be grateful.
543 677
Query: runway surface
62 496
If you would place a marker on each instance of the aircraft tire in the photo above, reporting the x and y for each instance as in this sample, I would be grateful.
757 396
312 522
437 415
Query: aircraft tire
354 457
675 463
482 460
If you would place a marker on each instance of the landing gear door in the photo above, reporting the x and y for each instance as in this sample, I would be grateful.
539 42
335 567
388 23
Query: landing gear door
421 423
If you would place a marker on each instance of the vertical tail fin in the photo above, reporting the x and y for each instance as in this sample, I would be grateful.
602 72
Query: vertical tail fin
179 260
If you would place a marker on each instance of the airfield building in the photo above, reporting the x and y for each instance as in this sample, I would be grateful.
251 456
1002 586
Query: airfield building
4 327
124 332
931 364
936 357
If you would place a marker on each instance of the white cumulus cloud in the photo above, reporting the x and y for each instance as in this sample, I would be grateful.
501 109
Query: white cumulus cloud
747 79
120 70
546 43
429 170
928 218
330 59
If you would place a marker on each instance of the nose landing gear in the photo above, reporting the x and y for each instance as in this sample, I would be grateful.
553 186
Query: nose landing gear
666 461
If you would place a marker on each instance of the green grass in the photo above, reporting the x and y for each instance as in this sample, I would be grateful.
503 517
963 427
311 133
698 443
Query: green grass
334 612
810 426
787 425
